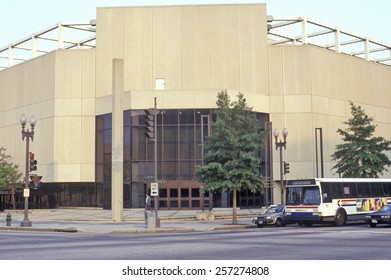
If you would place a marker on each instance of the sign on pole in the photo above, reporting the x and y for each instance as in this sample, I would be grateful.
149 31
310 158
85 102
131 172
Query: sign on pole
26 192
154 189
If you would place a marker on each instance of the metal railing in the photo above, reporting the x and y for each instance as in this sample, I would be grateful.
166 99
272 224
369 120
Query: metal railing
302 30
47 40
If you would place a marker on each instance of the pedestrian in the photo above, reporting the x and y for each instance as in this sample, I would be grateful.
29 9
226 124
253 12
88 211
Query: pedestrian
147 203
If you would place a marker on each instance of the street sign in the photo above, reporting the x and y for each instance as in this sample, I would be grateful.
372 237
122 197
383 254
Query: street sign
154 189
26 192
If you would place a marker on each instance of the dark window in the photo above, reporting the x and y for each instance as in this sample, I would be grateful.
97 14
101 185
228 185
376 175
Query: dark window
186 117
377 189
195 192
326 190
185 203
363 190
387 189
162 193
185 193
348 190
174 203
170 117
173 192
162 204
195 203
336 190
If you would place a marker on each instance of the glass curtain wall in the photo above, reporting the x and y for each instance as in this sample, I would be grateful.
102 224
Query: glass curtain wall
179 134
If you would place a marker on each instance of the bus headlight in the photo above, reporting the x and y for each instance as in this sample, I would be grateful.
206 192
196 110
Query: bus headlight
385 217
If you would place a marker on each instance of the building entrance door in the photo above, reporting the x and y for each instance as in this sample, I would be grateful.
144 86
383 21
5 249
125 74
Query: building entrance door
181 194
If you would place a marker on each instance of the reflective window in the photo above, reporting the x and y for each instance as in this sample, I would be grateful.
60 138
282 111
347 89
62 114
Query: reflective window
179 149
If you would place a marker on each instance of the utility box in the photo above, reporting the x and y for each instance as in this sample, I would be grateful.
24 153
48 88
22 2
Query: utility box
151 220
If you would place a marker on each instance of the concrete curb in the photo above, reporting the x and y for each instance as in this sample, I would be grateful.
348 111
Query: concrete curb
158 230
129 231
70 230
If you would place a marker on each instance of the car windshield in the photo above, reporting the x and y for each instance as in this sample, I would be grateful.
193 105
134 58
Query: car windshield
386 208
275 209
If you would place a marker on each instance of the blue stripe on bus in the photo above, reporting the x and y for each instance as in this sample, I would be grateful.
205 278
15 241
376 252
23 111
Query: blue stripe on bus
301 214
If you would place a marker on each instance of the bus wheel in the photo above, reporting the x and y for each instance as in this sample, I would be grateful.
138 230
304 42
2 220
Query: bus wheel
372 225
308 224
340 218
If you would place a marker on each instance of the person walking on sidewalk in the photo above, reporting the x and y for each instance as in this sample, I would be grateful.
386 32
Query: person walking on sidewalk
148 203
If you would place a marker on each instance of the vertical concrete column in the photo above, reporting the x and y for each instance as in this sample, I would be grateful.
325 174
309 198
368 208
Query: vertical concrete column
117 172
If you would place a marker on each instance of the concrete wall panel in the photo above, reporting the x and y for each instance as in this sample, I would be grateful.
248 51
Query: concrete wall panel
190 47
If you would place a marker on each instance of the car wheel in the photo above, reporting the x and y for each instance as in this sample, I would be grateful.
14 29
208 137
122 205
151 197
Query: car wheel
279 222
258 225
372 225
340 218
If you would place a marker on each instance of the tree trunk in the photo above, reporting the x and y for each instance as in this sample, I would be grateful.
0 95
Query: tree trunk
234 214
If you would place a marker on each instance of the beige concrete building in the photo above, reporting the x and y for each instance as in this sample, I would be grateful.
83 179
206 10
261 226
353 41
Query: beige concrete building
183 56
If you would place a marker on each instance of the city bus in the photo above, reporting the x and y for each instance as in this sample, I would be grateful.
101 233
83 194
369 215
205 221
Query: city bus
336 201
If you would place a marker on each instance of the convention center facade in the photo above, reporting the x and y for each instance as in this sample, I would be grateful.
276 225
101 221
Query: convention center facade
89 97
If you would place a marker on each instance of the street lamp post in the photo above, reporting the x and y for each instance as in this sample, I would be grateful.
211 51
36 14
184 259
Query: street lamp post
279 145
27 134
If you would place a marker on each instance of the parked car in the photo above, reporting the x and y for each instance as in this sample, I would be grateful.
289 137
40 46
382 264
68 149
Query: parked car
383 216
273 216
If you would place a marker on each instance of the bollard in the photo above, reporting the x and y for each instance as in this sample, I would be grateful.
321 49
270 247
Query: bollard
8 219
151 220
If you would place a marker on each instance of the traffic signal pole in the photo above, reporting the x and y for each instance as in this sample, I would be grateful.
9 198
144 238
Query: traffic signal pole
155 154
151 134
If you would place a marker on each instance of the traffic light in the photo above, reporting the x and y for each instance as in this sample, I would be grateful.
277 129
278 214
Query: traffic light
286 167
35 181
33 162
149 124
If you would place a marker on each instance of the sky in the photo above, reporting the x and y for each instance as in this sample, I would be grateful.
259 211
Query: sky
21 18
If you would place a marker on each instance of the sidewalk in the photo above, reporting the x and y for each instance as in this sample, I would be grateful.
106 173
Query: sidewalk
96 220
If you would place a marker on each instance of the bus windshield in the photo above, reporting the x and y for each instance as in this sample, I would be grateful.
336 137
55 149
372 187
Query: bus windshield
303 196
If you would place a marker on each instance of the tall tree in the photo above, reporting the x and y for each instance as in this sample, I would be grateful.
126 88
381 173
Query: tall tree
9 174
361 155
231 163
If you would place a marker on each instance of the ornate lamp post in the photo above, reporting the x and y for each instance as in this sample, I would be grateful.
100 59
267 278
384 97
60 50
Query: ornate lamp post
279 145
26 134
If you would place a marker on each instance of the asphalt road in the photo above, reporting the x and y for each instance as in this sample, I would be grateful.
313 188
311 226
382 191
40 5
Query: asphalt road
352 242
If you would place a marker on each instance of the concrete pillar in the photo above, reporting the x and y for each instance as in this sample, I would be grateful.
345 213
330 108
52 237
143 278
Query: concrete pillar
117 172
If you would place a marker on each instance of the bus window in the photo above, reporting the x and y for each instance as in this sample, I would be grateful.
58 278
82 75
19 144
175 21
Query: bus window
345 190
387 189
336 190
363 190
377 189
311 196
293 196
352 189
326 192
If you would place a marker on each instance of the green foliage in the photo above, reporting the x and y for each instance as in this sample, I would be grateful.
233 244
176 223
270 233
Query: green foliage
9 173
231 163
361 155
